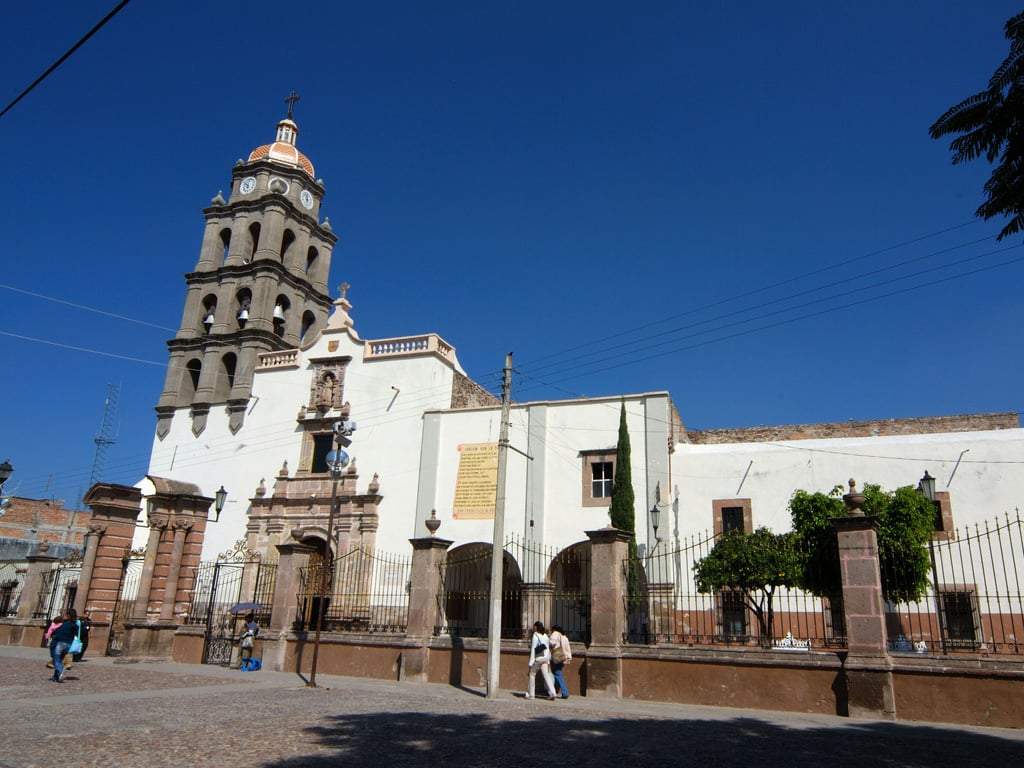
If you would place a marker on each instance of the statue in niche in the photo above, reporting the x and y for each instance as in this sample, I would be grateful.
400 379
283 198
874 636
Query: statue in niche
328 391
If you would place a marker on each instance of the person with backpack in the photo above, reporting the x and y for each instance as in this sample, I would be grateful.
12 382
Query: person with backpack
540 661
64 639
561 654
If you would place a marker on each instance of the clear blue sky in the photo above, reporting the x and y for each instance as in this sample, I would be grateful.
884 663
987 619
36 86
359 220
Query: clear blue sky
524 177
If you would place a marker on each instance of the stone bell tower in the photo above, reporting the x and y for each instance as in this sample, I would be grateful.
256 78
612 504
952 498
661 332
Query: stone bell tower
260 283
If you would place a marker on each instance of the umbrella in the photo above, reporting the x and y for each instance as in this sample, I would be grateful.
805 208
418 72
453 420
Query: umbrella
245 607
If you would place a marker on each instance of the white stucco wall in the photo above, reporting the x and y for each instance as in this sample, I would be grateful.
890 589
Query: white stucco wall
387 440
980 489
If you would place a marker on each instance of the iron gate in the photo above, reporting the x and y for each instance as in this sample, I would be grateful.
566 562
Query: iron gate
124 605
220 588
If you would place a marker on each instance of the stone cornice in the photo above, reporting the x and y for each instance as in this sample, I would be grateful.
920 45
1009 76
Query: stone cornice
248 168
252 270
233 339
265 201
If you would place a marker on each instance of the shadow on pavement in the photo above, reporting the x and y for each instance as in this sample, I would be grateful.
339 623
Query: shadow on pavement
428 739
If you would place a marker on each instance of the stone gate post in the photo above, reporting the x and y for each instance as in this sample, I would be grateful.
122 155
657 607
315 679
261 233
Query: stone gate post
291 557
609 548
868 667
428 556
39 564
115 510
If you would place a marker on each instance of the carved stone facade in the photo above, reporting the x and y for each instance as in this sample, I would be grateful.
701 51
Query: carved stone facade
298 509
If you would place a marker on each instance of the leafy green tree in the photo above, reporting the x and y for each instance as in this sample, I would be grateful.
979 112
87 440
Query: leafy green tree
906 520
622 511
990 123
754 564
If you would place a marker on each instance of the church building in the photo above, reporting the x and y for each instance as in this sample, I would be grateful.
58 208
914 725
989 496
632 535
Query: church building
267 360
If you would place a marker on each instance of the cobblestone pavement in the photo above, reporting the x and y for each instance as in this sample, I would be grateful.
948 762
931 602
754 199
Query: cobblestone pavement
159 715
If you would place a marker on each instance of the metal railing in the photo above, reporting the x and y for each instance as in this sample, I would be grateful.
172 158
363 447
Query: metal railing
12 579
362 591
972 602
57 590
663 605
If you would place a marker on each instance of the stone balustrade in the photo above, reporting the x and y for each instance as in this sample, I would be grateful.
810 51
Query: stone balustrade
287 358
402 346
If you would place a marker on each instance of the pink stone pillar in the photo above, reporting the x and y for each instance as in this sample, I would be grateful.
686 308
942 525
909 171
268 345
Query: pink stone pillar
428 556
609 548
92 541
157 523
181 529
868 667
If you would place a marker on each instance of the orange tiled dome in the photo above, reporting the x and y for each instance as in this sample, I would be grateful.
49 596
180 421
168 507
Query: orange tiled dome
283 150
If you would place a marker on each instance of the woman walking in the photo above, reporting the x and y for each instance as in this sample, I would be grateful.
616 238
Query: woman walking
61 640
561 654
540 659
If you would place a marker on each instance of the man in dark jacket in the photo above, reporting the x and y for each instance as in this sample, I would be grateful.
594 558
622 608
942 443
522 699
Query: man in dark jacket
60 641
84 625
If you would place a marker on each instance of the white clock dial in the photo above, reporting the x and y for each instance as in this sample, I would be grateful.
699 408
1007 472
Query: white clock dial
306 198
248 185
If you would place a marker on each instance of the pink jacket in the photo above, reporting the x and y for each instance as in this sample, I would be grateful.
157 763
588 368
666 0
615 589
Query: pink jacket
558 640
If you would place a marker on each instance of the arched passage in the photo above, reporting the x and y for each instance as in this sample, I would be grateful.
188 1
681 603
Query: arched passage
465 603
569 573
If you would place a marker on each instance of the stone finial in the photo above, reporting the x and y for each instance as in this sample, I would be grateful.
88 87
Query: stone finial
352 466
854 500
239 162
374 484
327 224
261 489
432 522
343 290
283 471
218 199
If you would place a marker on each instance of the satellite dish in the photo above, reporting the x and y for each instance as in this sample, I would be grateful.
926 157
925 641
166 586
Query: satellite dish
337 460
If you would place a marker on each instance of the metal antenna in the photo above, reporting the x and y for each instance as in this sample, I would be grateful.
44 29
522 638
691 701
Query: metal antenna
106 436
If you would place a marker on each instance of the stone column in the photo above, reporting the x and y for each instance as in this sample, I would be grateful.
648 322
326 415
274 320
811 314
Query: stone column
868 667
92 540
609 548
428 555
239 249
157 524
271 232
274 641
181 529
39 565
538 600
191 316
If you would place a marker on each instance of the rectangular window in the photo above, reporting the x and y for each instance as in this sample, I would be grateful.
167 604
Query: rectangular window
734 614
601 484
322 445
732 519
958 617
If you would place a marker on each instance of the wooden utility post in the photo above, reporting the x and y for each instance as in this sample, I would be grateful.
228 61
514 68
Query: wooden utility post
498 541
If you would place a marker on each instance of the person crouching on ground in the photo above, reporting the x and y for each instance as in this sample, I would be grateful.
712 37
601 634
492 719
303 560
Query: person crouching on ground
540 659
60 641
561 654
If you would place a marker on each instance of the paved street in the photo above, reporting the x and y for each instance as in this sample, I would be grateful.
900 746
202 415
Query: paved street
117 714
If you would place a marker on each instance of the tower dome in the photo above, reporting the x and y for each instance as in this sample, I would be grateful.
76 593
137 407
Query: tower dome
283 150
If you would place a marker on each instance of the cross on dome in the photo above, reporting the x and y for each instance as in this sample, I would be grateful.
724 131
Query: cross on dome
290 101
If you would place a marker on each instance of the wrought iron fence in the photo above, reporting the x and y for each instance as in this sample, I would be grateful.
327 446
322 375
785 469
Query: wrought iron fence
972 601
224 594
57 590
12 579
124 604
664 605
362 591
539 583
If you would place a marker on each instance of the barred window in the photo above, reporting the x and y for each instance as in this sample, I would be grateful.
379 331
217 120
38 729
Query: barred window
958 615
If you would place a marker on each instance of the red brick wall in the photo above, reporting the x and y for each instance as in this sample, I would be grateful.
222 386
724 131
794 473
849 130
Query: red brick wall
50 519
974 422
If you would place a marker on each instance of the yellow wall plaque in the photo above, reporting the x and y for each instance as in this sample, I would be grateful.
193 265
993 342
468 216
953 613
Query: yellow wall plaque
477 482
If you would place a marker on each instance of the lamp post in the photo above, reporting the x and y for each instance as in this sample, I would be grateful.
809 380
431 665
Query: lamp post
655 520
337 460
219 498
927 488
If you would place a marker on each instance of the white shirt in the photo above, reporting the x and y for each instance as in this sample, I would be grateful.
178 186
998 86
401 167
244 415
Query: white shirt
539 638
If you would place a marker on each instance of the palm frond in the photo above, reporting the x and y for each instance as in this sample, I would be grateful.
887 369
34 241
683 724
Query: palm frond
1008 71
965 115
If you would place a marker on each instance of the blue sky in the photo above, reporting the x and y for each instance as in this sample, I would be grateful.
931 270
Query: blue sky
517 176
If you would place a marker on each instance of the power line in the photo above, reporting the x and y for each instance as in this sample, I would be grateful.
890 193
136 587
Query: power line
86 307
779 323
762 289
67 54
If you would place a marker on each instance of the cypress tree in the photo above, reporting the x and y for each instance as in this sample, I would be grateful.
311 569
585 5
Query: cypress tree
622 513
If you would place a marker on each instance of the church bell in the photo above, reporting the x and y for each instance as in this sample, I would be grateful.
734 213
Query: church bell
278 312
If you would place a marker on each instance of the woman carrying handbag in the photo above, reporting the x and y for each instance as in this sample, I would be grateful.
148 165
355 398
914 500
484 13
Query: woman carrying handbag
540 659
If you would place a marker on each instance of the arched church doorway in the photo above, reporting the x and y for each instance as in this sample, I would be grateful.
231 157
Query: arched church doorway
465 599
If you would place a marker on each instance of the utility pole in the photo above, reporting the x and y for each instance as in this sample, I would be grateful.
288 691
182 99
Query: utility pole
498 542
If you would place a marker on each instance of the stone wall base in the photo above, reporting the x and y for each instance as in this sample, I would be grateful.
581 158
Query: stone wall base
869 688
149 640
24 632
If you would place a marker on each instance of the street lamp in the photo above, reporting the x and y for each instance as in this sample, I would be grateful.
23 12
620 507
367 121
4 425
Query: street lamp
218 502
927 486
337 460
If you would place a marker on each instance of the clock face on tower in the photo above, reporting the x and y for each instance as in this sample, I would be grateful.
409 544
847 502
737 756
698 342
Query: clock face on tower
248 185
306 198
